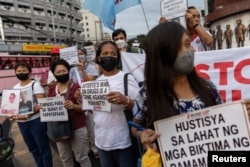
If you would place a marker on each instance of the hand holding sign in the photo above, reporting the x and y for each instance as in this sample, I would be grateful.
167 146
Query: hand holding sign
148 138
117 98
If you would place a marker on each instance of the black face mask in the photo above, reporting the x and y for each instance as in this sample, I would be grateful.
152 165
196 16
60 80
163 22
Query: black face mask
22 76
108 63
62 78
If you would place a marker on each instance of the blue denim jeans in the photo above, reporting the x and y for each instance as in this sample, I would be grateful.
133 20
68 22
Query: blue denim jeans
117 158
35 136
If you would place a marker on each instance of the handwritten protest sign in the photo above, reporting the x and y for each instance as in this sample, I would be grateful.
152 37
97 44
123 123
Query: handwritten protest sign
53 109
69 54
173 8
185 139
94 95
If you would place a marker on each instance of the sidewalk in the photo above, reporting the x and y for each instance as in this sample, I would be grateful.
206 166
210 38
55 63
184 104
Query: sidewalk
21 155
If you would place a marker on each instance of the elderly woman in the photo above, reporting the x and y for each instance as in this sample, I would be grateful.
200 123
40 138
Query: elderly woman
79 143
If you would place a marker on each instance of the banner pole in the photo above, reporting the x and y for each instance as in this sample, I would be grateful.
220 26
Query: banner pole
144 15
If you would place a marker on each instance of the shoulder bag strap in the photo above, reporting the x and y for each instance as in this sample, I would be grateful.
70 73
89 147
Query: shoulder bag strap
125 82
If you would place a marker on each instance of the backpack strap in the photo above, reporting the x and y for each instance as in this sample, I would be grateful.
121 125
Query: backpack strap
32 87
125 82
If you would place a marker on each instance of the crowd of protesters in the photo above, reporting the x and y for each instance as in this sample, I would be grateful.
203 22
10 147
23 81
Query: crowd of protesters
170 81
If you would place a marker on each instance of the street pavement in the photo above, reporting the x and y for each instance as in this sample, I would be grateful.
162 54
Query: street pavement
23 158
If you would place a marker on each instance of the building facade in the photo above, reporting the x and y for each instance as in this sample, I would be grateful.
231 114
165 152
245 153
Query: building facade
222 13
56 22
92 27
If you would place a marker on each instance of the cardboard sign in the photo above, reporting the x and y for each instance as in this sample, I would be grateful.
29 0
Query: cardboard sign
94 95
185 139
70 55
173 8
91 54
53 109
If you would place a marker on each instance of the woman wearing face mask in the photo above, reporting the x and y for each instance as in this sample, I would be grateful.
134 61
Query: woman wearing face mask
34 131
84 71
79 143
111 130
172 85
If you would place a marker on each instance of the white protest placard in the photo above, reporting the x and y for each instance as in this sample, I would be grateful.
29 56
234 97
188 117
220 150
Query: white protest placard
10 102
90 53
70 54
173 8
185 139
53 109
94 95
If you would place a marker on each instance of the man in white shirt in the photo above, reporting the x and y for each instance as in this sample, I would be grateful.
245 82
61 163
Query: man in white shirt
201 39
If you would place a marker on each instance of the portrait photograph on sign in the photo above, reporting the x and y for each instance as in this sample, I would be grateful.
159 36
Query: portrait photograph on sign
26 101
10 102
94 95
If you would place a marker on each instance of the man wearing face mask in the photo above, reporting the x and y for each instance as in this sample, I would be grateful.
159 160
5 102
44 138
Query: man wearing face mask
119 36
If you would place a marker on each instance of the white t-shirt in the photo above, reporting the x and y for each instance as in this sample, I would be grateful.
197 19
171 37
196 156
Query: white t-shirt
111 128
198 45
37 88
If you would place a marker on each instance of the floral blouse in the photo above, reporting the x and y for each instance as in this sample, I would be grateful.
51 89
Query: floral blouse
181 106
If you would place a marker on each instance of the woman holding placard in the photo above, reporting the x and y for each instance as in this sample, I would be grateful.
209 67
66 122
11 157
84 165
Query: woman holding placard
111 129
78 143
34 131
172 85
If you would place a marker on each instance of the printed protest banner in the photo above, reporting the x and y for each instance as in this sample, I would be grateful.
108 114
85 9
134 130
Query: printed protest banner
26 101
53 109
228 69
10 102
174 10
186 139
70 54
94 95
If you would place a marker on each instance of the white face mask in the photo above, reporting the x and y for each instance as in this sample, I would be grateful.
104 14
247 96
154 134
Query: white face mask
120 43
82 58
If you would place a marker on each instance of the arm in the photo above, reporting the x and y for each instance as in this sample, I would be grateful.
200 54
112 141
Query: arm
147 136
84 73
205 37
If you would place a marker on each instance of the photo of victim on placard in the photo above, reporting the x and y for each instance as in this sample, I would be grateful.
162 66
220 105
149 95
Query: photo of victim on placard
26 101
10 102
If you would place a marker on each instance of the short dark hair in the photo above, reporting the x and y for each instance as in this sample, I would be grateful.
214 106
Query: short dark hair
23 64
83 50
59 62
117 32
